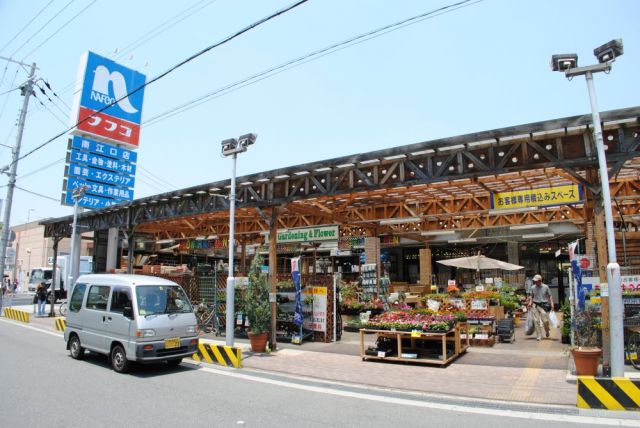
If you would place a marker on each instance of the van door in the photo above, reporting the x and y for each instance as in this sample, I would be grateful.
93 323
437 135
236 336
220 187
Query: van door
95 317
120 328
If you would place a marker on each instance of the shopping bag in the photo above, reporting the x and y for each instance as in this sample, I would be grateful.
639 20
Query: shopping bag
553 320
531 326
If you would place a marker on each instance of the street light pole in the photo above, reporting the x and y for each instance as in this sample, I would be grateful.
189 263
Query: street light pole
231 147
568 63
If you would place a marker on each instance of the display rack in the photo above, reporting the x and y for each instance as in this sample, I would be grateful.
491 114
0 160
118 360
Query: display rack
286 329
369 278
438 348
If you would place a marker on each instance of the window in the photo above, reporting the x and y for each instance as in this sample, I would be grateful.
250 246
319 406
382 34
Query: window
98 297
162 299
76 297
120 297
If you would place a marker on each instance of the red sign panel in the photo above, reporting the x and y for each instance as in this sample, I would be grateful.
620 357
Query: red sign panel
584 263
109 127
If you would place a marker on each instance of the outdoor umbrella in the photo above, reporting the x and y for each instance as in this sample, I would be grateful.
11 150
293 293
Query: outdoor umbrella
479 262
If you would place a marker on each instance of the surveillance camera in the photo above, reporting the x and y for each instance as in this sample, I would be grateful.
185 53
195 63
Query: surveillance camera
563 62
247 139
609 51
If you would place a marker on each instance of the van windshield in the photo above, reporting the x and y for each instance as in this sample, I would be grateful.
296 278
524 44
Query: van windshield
162 299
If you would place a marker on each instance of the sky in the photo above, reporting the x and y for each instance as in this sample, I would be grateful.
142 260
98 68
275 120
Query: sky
482 65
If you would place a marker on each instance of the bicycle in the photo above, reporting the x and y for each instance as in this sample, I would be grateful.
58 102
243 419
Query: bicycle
204 315
62 309
632 349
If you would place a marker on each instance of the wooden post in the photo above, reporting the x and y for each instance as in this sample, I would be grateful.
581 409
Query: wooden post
425 266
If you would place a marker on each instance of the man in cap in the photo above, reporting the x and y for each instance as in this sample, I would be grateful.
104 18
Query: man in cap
540 303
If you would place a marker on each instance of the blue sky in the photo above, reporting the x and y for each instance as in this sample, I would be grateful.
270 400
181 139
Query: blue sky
480 67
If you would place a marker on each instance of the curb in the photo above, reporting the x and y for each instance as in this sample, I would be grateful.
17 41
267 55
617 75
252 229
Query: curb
17 315
616 393
220 354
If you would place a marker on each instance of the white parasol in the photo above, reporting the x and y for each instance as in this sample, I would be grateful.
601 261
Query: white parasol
479 262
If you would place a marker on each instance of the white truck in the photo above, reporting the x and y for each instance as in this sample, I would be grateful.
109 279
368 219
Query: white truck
63 274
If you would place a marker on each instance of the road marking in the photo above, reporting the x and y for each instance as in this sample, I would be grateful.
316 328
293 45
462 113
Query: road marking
394 400
30 327
429 405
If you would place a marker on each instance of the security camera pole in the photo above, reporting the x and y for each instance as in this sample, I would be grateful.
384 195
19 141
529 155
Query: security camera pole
231 147
606 54
27 90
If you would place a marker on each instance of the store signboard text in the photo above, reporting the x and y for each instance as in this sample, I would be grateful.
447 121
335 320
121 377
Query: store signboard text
308 234
548 196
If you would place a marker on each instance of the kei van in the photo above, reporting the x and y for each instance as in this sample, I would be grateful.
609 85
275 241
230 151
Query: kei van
130 318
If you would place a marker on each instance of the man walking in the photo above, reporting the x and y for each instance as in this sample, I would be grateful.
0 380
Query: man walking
540 304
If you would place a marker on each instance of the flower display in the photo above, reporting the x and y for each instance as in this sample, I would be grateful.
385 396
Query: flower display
411 320
481 295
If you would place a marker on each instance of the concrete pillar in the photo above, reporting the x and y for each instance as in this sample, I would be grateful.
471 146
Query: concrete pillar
513 255
112 249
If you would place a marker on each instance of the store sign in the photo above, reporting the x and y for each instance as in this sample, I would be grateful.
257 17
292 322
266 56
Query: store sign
105 83
99 189
102 162
100 175
479 305
90 201
98 148
308 234
318 321
549 196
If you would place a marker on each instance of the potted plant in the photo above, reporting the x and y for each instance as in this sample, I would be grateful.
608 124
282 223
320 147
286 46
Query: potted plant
257 307
588 341
565 330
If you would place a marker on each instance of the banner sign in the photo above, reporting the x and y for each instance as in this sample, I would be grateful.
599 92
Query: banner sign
549 196
90 201
99 175
308 234
98 148
103 82
101 162
99 189
298 317
319 319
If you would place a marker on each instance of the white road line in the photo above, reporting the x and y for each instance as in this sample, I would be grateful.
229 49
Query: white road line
424 404
395 400
30 327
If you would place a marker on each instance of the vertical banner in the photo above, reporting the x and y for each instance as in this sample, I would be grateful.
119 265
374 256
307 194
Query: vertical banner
577 273
298 318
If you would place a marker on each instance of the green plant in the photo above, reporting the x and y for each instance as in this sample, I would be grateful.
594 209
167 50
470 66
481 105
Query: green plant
587 327
566 319
256 301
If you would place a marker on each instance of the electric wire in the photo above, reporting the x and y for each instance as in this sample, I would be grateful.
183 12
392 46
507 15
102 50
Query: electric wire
26 25
170 70
4 105
157 178
37 194
270 72
150 35
41 28
59 29
42 168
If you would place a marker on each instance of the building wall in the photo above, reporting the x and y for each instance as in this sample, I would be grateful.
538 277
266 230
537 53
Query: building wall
32 249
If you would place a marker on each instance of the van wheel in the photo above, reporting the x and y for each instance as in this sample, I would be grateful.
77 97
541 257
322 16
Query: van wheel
75 349
119 360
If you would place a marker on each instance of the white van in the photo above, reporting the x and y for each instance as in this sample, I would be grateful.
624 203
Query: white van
130 318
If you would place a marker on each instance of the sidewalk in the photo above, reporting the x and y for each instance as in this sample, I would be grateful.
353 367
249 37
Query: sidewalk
526 371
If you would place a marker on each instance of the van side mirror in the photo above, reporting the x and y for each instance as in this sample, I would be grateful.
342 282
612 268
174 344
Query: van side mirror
127 312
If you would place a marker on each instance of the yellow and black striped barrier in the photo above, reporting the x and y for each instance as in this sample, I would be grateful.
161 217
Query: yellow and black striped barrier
221 354
616 393
61 324
16 314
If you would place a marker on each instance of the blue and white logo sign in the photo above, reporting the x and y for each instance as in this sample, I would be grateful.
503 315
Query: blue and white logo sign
103 149
106 81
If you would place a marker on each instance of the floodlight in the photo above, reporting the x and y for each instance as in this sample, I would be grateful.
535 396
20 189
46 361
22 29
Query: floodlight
247 139
609 51
563 62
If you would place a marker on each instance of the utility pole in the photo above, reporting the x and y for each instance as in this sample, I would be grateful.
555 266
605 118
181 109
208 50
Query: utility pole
26 89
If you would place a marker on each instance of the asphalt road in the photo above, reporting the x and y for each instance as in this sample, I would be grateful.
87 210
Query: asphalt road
43 387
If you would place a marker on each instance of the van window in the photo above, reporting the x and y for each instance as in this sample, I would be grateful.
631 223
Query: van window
98 297
162 299
120 297
76 298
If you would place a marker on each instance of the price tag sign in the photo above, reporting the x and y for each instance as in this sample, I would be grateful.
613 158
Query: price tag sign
296 340
604 289
382 354
415 333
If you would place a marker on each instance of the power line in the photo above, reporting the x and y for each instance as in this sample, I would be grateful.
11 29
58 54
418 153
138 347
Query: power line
26 25
270 72
41 28
156 178
59 29
37 194
175 67
159 30
42 168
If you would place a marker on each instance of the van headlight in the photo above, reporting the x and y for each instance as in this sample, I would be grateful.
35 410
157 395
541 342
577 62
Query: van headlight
191 329
145 333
